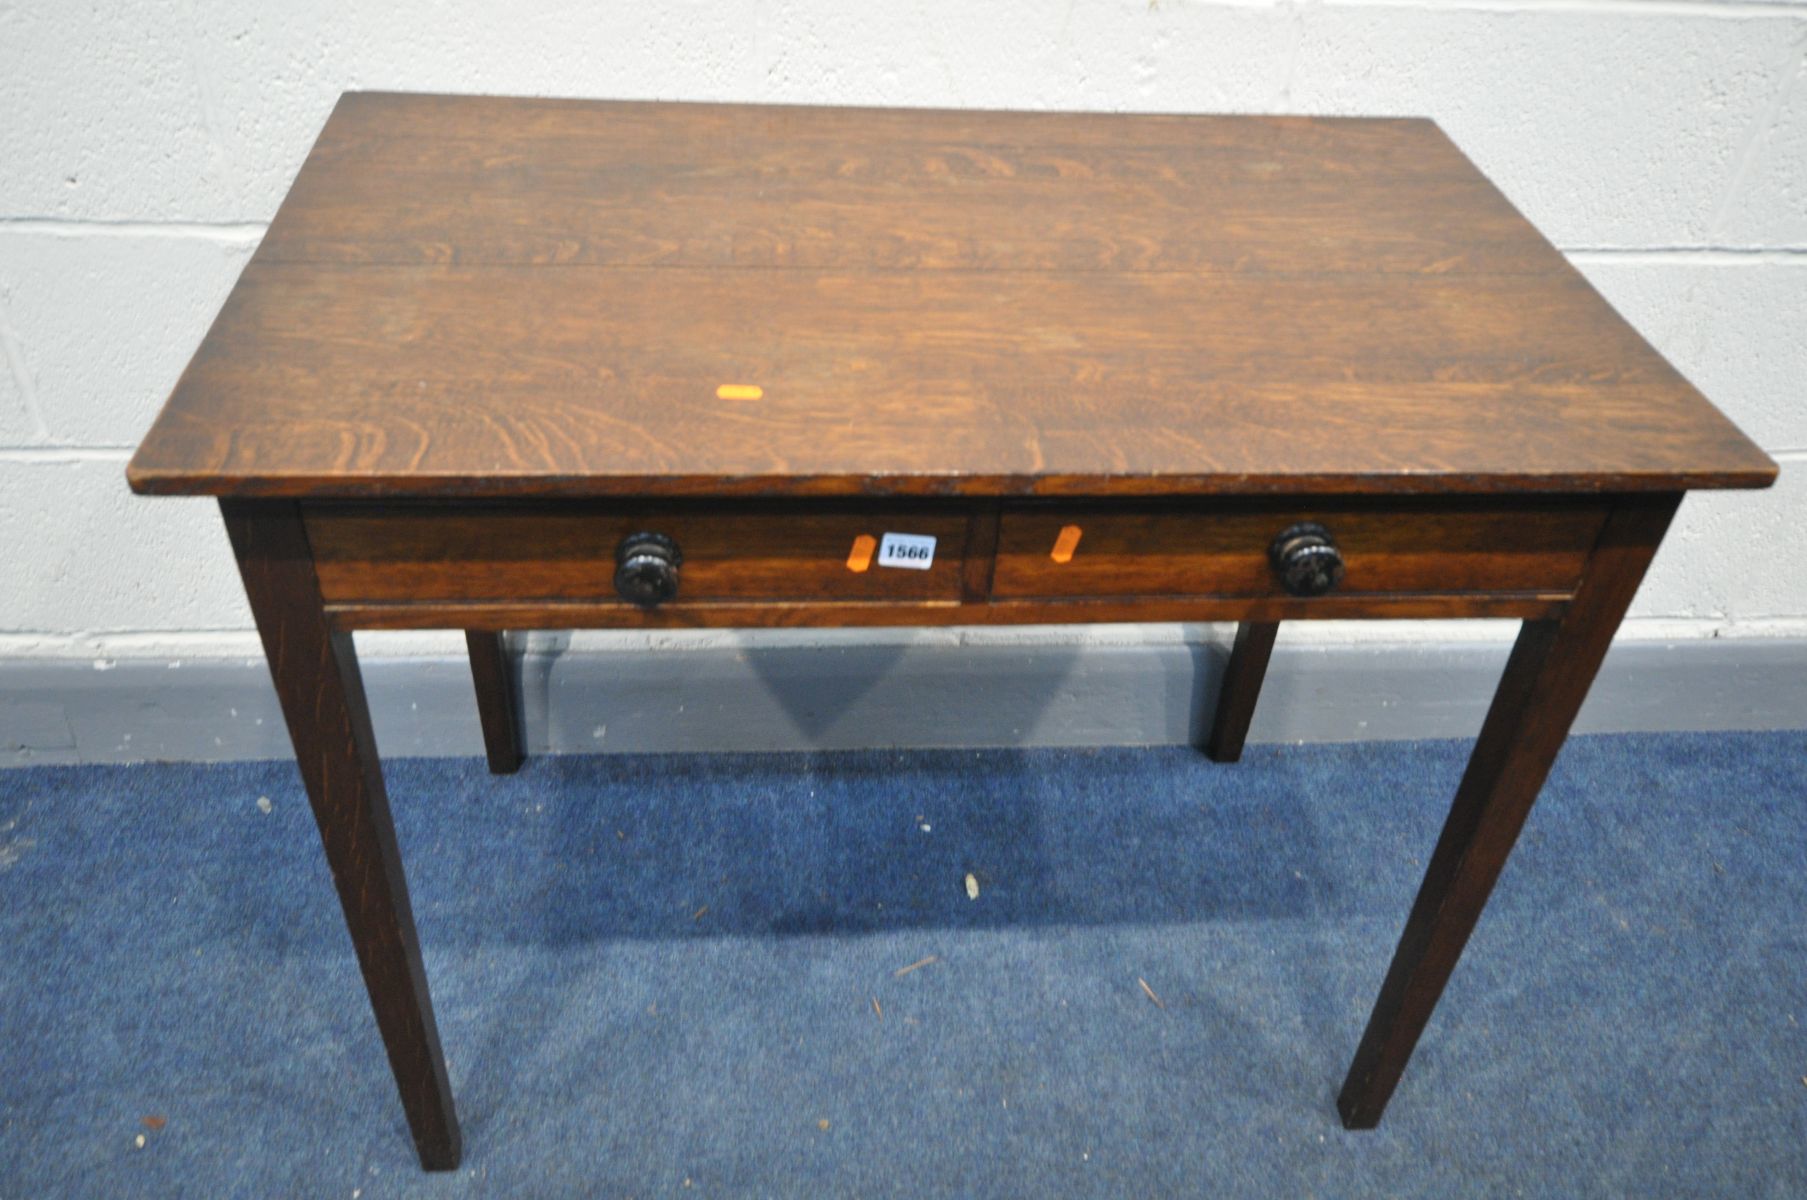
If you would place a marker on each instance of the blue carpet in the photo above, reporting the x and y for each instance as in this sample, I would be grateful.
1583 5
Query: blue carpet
665 976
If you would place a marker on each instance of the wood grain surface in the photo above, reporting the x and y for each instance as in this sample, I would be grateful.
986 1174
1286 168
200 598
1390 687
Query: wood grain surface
1222 549
800 552
469 296
567 551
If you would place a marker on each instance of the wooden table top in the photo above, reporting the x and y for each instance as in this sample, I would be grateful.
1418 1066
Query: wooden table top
510 297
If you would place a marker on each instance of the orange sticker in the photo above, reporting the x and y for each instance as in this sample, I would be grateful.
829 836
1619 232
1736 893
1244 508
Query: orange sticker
861 556
739 391
1065 544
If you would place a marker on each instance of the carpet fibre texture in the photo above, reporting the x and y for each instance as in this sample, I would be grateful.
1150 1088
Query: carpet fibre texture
685 976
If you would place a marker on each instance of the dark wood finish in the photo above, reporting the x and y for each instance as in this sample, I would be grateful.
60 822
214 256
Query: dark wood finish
1545 681
613 614
750 187
1240 689
745 551
731 551
315 670
479 296
496 706
1222 549
485 339
981 554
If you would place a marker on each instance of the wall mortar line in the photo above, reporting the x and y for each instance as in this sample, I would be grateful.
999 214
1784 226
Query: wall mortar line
64 454
1727 255
1638 8
234 232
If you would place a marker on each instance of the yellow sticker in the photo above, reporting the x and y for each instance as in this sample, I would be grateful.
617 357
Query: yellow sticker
1065 544
861 556
739 391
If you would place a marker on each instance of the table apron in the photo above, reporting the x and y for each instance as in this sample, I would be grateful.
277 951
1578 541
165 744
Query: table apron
504 615
1011 562
490 566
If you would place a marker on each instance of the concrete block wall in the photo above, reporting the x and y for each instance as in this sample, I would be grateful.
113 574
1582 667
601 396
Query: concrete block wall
143 146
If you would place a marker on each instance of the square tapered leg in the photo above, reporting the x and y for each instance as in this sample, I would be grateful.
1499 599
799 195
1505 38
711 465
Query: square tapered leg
1241 689
496 707
315 669
1545 681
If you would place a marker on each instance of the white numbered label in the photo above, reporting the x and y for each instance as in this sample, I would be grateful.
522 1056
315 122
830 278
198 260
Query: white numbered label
911 550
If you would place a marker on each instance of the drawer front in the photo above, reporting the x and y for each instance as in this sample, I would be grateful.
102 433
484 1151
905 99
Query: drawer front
730 552
1222 550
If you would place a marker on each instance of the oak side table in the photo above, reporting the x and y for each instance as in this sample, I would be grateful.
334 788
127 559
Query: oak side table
515 364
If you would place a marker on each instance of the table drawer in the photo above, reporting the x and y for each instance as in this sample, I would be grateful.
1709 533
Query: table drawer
567 552
1222 549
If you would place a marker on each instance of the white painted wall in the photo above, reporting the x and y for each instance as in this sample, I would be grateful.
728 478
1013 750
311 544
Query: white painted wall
144 144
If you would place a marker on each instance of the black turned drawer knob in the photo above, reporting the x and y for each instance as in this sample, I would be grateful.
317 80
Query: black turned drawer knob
646 569
1306 559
